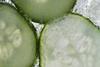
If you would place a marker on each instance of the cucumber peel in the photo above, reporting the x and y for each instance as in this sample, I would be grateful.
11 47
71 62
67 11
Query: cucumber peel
17 40
71 41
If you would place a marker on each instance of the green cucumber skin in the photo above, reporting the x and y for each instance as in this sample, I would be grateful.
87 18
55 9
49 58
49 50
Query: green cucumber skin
95 33
10 15
43 12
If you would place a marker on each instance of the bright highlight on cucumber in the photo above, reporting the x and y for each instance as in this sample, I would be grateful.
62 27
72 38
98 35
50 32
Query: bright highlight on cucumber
71 41
44 10
17 40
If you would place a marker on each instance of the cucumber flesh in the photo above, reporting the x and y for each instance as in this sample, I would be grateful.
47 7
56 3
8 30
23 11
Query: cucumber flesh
17 40
71 41
44 10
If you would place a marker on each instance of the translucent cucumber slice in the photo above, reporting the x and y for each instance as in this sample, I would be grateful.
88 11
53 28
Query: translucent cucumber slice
17 40
44 10
71 41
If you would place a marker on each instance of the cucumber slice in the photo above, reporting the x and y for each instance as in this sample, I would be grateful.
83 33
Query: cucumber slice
44 10
17 40
71 41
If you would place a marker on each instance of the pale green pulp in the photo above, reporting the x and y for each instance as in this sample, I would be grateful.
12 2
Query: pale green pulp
17 40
